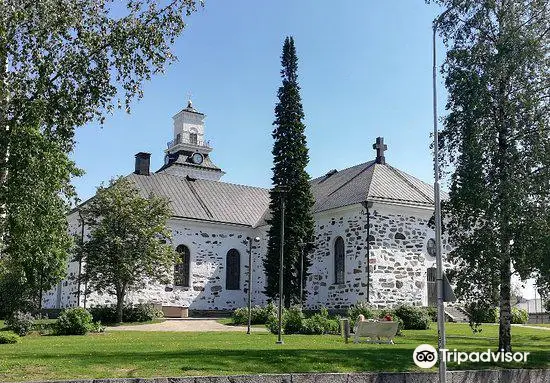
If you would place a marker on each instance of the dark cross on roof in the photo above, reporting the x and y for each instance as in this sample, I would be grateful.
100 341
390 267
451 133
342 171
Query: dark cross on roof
380 149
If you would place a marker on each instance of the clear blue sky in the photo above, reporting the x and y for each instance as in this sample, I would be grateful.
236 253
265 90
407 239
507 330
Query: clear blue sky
364 67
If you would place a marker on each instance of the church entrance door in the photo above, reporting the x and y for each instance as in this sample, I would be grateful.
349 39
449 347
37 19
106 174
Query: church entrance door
432 286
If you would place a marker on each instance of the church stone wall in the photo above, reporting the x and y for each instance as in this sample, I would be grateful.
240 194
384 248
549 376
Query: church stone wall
65 293
399 263
208 245
399 257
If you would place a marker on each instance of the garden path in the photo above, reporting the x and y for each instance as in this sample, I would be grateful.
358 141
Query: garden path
185 324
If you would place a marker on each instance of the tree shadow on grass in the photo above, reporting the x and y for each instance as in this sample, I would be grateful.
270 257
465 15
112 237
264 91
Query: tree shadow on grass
250 360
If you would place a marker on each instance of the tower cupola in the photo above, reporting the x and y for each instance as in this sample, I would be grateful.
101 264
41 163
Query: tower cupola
188 153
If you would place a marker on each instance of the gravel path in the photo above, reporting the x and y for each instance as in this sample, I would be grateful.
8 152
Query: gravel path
187 324
534 327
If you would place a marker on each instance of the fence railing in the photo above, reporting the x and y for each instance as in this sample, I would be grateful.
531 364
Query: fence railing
204 144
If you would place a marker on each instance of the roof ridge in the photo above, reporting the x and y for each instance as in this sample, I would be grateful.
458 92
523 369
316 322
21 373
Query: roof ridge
397 172
201 179
352 178
342 170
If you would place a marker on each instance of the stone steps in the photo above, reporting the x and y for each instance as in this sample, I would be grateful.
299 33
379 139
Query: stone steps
456 314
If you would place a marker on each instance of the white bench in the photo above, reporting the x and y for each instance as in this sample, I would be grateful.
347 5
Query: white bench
375 331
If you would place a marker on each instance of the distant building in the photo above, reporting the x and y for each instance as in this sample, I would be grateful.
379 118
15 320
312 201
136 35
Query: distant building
532 306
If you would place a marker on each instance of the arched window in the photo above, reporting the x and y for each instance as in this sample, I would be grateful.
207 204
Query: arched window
193 138
181 268
339 261
233 270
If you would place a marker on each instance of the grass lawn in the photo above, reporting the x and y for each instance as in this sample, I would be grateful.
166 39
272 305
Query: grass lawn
539 324
146 354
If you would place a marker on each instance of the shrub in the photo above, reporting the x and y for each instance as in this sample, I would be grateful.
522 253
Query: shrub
414 318
294 321
97 327
432 312
294 318
142 312
361 308
20 323
7 337
104 314
240 316
313 325
547 306
258 314
519 316
75 321
272 323
320 324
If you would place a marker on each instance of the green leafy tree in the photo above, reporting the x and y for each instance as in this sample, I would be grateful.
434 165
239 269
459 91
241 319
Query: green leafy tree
64 63
128 241
37 241
290 157
496 142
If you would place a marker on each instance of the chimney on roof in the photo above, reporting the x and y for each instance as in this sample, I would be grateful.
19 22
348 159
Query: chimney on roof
142 163
380 149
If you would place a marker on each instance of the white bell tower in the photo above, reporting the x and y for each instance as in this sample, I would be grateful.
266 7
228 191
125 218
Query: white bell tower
189 131
188 152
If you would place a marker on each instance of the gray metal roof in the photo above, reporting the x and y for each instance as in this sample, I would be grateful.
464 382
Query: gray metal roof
223 202
369 181
206 200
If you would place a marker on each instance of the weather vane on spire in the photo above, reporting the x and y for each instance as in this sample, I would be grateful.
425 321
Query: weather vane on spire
189 102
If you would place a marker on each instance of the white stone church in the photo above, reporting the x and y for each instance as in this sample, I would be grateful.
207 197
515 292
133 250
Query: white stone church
213 223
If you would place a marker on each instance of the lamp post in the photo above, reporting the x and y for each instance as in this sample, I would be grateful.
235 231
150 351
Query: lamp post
281 190
368 205
257 239
303 247
80 258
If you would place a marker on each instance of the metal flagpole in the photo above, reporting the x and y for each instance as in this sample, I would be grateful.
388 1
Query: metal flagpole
437 201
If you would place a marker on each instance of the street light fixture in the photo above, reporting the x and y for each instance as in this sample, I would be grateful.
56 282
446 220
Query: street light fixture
304 247
368 205
257 239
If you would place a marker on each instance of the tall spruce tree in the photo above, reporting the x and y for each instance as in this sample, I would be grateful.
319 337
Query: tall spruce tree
290 158
496 142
